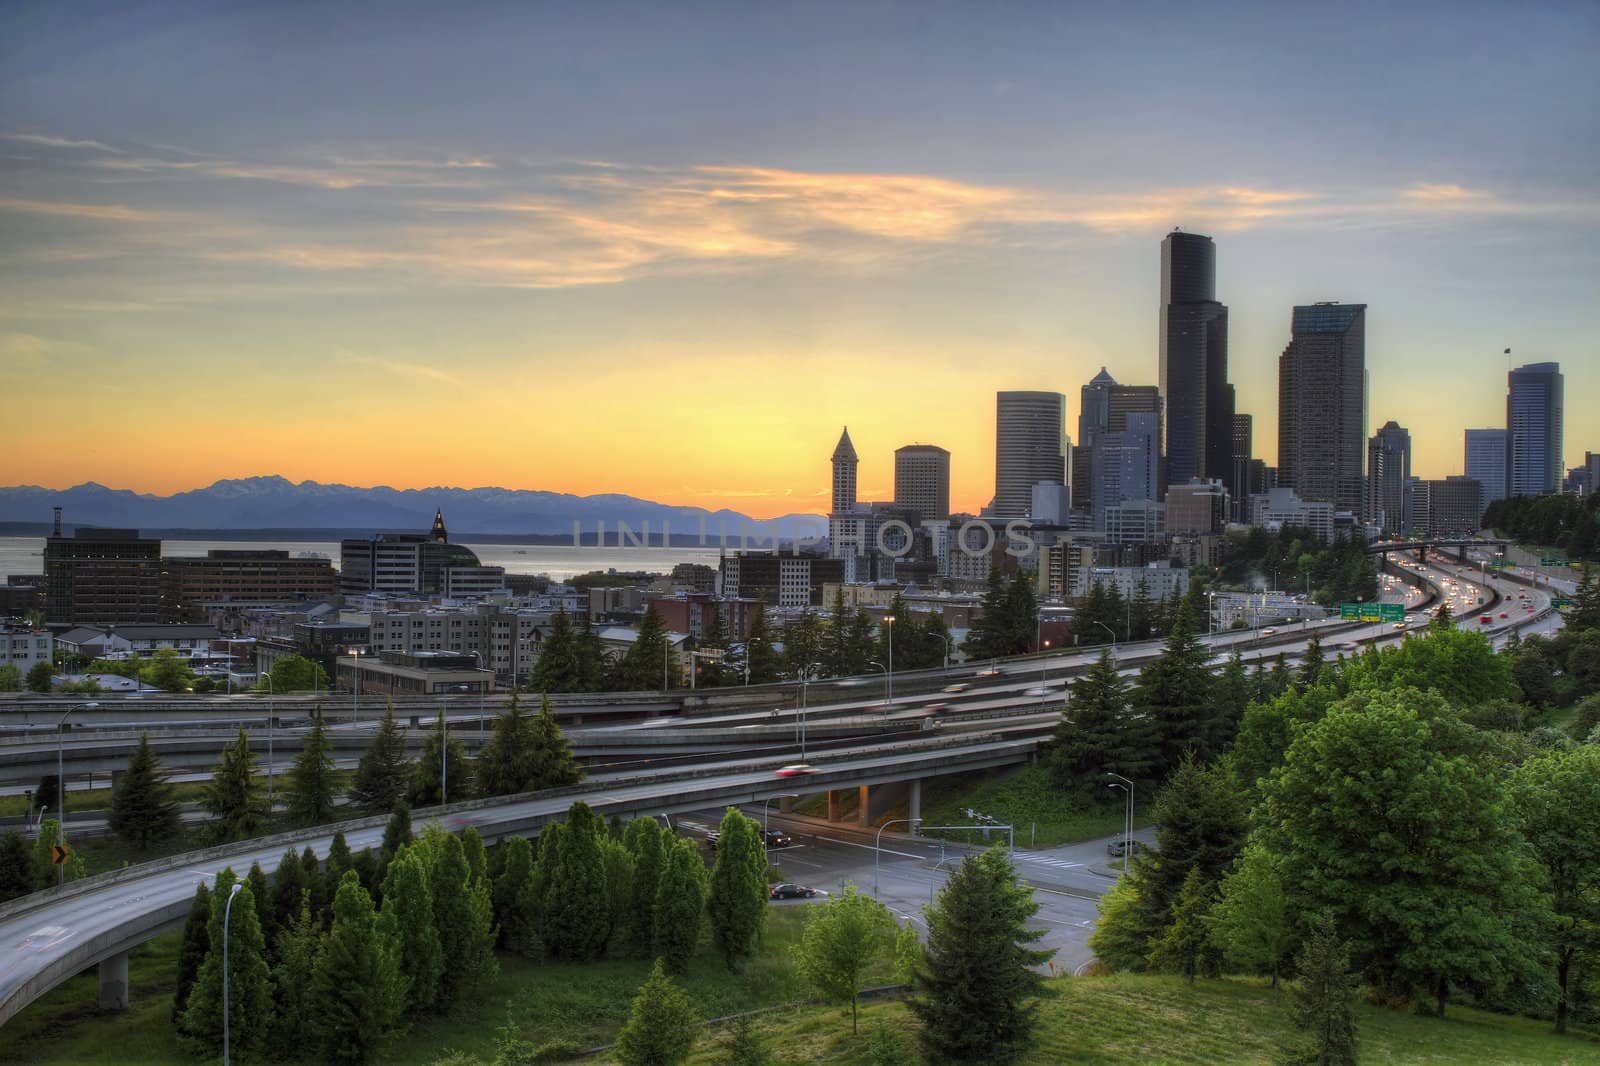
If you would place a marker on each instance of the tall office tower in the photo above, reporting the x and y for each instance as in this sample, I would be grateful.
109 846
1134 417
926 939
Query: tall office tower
101 577
1533 430
1486 462
1127 465
1388 470
1093 411
1322 393
1194 361
844 474
1244 432
847 529
922 480
1030 446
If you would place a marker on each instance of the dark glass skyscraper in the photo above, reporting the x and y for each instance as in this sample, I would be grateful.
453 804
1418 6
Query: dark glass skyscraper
1533 430
1194 362
1322 400
1388 477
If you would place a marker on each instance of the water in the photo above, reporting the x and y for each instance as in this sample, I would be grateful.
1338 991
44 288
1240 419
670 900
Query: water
24 555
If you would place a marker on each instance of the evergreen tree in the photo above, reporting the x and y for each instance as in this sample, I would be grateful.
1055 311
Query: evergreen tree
505 765
289 889
1118 614
39 677
143 812
1097 734
761 658
576 916
1322 1001
737 902
660 1028
196 942
1229 695
836 651
463 916
1173 695
313 782
680 903
558 668
369 871
990 634
643 839
591 658
802 642
428 788
311 867
408 912
397 832
618 865
978 939
340 861
299 941
16 866
234 798
383 774
860 642
1311 664
358 991
514 913
262 891
646 665
249 979
550 753
546 860
1184 947
840 940
477 856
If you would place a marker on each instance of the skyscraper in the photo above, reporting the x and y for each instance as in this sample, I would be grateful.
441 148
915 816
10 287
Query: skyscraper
1194 361
1533 430
1127 466
1486 462
846 528
1322 404
1388 470
1244 431
844 474
1093 411
922 480
1030 446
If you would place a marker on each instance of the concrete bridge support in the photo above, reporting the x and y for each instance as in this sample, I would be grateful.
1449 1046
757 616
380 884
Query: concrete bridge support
879 799
114 982
914 801
833 805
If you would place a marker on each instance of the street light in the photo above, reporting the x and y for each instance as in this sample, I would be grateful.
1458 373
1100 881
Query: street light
444 753
888 620
1127 819
355 662
808 673
880 666
270 697
949 642
1111 631
227 912
61 781
877 847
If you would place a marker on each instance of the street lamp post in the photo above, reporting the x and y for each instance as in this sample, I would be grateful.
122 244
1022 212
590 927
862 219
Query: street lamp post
355 685
889 676
1113 633
880 666
444 754
877 848
61 781
1044 664
270 703
227 913
1127 819
806 677
949 642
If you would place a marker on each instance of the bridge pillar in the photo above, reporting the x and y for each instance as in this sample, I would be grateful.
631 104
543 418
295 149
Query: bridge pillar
864 807
786 804
833 806
114 982
914 802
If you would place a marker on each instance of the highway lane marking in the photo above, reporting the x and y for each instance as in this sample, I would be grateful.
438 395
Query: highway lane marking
869 847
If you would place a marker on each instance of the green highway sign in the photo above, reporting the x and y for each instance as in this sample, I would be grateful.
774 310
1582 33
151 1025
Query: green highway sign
1552 562
1560 601
1372 612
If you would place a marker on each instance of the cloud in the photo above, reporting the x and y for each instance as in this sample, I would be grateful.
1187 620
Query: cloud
108 212
59 142
1442 194
30 348
413 371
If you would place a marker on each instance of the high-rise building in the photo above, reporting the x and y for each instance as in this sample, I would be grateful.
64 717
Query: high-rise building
1093 412
1533 430
1322 394
1127 466
103 577
1452 507
1388 470
1030 446
1486 462
1591 473
844 474
1239 483
922 480
401 562
1194 361
846 527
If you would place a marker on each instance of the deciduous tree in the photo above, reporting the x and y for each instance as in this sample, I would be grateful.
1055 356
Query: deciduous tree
737 903
249 979
841 939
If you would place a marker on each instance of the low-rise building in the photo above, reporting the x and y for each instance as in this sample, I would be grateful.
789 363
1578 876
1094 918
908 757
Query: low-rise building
1282 508
22 647
121 642
244 577
432 673
1160 581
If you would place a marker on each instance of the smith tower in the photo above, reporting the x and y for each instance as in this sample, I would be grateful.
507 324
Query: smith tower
1194 362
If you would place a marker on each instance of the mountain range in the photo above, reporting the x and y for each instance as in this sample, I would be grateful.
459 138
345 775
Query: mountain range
276 503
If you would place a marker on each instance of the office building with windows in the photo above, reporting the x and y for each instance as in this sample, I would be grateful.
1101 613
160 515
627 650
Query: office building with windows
1030 447
1194 362
1533 430
1486 462
1322 393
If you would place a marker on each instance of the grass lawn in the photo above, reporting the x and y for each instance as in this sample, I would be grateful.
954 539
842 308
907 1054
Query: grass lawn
95 799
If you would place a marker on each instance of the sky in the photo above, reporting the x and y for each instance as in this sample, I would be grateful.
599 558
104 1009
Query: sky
669 250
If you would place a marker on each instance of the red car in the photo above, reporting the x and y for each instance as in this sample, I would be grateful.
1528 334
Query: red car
798 769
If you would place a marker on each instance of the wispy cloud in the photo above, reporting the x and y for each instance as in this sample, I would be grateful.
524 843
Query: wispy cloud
110 212
401 369
58 142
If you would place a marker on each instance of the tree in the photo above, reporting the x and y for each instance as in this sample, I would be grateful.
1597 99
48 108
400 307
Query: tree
643 839
558 668
660 1027
296 674
10 678
505 765
477 856
646 665
1322 1000
745 1047
143 812
234 798
167 671
358 991
397 831
738 899
550 753
249 980
1556 795
428 788
1228 698
1311 664
978 939
1250 922
1173 695
1461 666
16 866
340 861
381 777
299 943
618 864
192 952
1098 734
313 782
45 873
840 940
408 913
576 920
290 887
762 661
1184 945
514 912
1389 813
680 903
464 919
39 675
262 891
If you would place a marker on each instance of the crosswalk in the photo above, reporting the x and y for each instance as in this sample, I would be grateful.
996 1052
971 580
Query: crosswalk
1047 860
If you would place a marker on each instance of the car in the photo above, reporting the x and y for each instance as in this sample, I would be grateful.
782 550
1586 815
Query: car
777 838
1120 847
1504 615
798 769
1398 625
993 671
850 682
712 839
956 688
1485 620
934 708
790 891
1037 690
1528 607
1268 632
1351 645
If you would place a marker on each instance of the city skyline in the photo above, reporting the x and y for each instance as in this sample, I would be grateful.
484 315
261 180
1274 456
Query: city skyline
332 267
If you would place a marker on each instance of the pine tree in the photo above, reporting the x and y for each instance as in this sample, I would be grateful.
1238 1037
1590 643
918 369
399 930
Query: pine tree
313 782
646 666
358 991
1173 694
505 765
249 979
836 655
234 798
289 889
196 942
408 908
558 668
643 839
369 871
1321 1003
680 904
660 1028
16 866
143 812
978 939
1184 946
262 891
299 942
311 869
761 657
576 918
383 774
1097 734
427 787
464 919
340 861
513 910
1311 663
737 903
550 753
1226 701
397 832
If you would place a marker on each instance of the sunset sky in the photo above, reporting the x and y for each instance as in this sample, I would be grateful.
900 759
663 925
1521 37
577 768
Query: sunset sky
670 249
